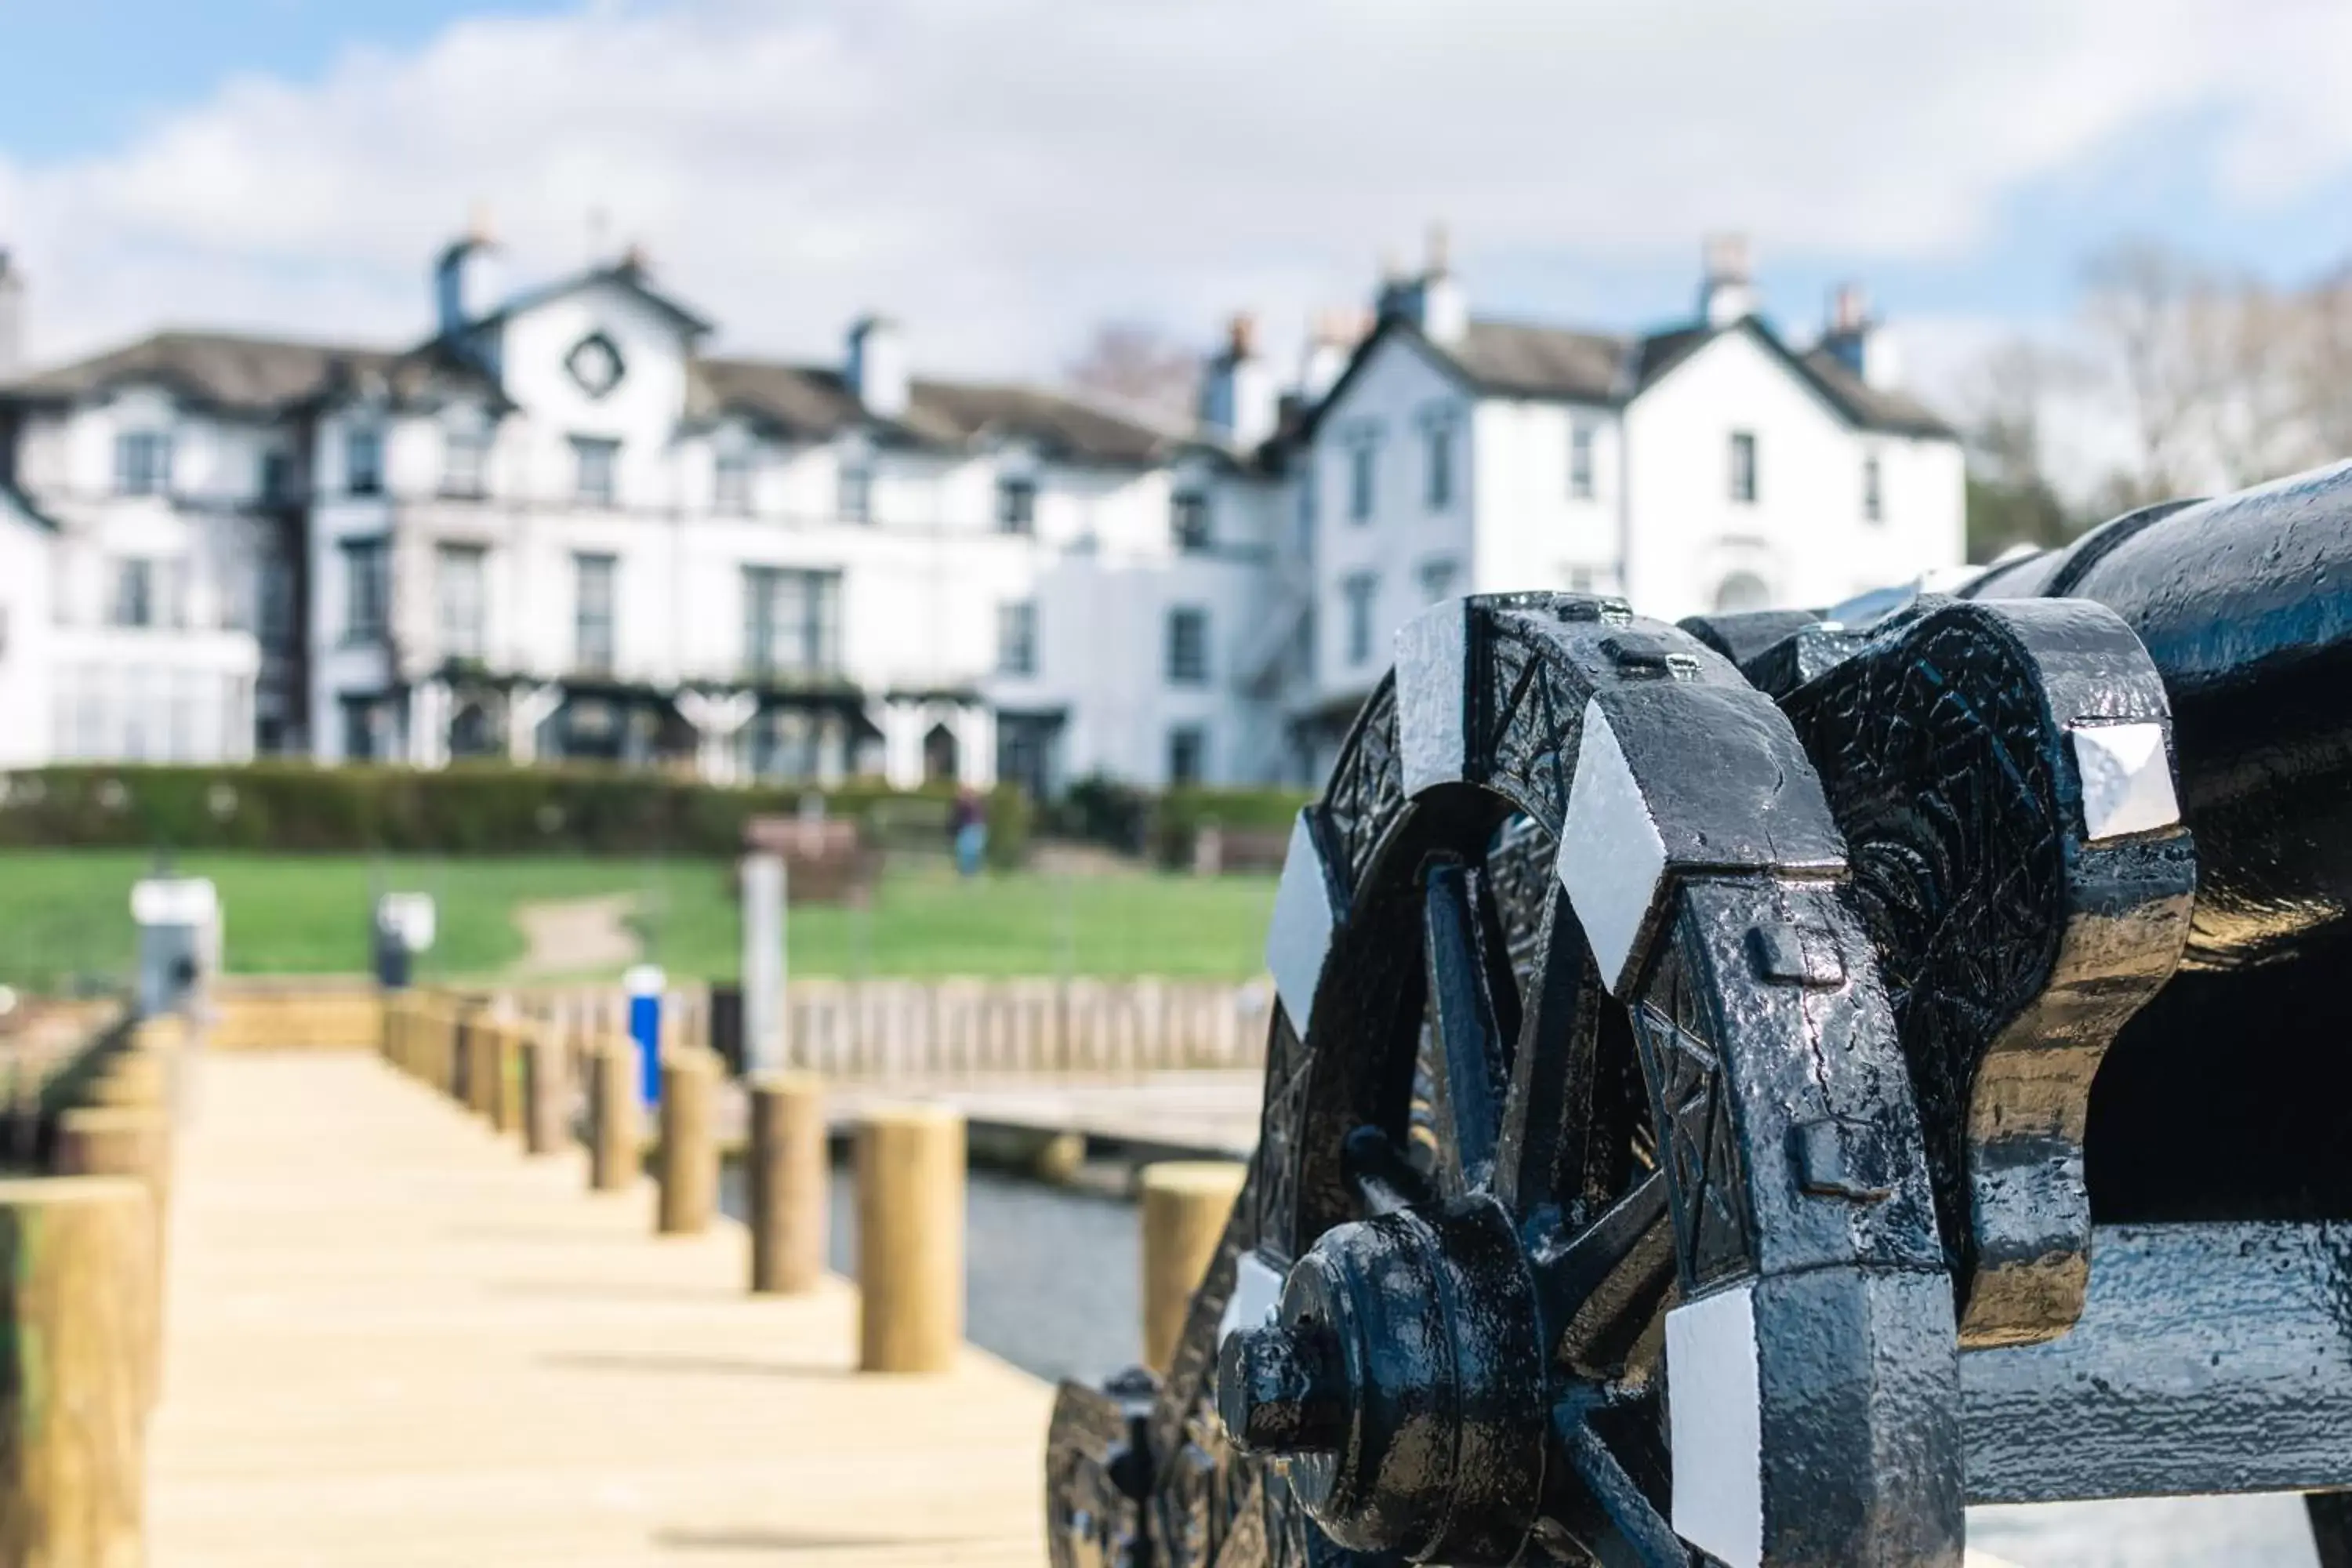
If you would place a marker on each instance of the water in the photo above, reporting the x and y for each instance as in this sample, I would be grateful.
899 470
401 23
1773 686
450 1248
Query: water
1053 1286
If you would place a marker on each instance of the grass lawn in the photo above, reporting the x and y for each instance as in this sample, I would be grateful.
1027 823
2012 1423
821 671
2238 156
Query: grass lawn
66 912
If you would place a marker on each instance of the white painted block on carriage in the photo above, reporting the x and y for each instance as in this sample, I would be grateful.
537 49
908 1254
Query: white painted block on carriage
2127 779
1258 1292
1300 933
1611 856
1432 693
1717 1425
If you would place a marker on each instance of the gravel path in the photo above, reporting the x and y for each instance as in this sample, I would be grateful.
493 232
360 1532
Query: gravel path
572 936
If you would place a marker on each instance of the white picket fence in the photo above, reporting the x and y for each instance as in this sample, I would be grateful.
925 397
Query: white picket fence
933 1031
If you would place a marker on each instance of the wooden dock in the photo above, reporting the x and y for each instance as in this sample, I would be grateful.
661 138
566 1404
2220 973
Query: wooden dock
394 1341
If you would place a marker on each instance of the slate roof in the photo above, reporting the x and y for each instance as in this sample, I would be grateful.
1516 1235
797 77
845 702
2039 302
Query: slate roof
1513 358
261 377
815 402
252 376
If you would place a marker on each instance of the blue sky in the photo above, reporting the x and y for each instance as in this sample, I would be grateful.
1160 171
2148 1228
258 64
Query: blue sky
1004 174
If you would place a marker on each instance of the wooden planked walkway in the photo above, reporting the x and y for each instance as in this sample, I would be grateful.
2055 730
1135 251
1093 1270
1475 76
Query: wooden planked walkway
395 1341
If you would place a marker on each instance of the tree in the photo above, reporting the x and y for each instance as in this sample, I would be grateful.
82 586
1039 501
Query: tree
1136 367
2010 501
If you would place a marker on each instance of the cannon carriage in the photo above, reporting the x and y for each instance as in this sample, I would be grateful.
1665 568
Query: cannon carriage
1744 1090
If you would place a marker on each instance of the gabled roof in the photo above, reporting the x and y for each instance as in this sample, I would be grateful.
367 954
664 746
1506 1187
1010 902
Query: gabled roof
1513 358
257 376
814 403
625 274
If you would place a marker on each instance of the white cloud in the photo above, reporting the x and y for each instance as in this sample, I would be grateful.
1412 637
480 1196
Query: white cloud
1001 172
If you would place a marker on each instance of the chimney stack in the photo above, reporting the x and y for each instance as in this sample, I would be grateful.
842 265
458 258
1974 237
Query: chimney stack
1239 402
1727 293
1433 300
465 277
12 318
877 373
1859 341
1329 341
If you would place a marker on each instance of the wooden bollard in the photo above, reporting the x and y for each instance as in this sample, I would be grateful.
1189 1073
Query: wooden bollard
132 1140
910 1169
1185 1204
72 1409
786 1173
616 1157
506 1077
544 1080
482 1064
689 1161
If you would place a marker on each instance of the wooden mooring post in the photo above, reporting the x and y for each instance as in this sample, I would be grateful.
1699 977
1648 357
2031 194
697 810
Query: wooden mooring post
786 1173
73 1407
546 1077
687 1163
616 1156
911 1210
1185 1203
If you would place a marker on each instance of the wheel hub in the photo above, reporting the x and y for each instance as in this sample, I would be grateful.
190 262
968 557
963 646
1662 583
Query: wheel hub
1402 1382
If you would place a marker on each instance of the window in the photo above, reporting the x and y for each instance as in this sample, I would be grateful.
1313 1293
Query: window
276 479
1743 467
359 729
367 588
730 484
364 462
458 572
856 500
274 613
593 629
464 463
143 463
1358 591
1743 591
1188 520
1580 461
1188 645
1016 505
1016 638
1439 439
791 621
1360 459
1874 502
1437 578
594 460
133 603
1187 754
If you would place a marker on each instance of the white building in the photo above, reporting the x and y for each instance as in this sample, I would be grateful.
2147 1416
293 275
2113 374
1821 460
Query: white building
560 528
1708 465
557 529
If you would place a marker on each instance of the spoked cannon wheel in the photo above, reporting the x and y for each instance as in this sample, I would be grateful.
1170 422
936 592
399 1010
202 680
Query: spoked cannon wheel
1671 1288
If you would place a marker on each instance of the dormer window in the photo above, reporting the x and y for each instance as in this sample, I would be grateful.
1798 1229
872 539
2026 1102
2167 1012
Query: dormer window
595 365
143 463
855 500
364 461
1016 505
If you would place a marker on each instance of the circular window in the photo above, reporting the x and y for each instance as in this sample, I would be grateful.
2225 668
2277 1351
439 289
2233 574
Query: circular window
594 363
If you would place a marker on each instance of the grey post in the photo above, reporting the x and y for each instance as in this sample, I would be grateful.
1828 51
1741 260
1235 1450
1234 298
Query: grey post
763 962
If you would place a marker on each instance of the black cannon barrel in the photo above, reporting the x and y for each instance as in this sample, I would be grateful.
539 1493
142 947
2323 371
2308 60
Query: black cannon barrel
2244 601
2230 1095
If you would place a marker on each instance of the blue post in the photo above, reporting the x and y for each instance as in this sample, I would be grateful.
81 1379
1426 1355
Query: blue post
644 983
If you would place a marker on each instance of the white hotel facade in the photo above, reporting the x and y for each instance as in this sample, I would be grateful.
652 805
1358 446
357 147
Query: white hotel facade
559 528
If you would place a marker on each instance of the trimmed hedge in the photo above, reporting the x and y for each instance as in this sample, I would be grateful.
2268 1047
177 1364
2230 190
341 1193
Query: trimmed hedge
469 808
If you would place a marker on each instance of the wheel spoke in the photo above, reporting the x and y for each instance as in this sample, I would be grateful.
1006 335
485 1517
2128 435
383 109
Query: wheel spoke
1628 1509
1465 1034
1605 1282
1383 1178
1545 1122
